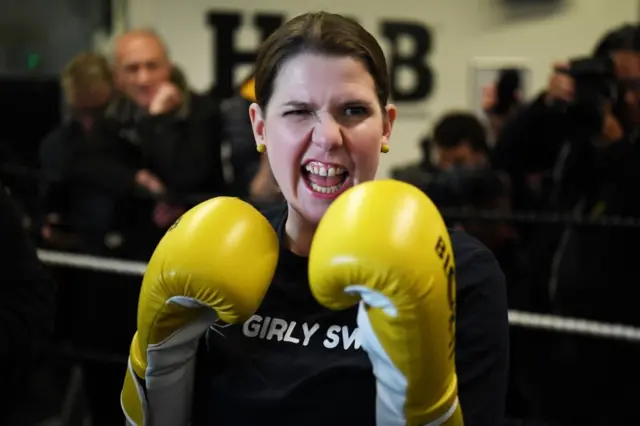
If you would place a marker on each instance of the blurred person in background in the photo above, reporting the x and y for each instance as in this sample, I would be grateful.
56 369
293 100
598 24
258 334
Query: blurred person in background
582 133
26 310
77 215
467 183
155 151
252 177
456 173
501 100
465 180
244 160
460 140
83 216
158 148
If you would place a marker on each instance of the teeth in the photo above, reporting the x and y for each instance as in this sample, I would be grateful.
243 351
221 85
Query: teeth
325 171
325 189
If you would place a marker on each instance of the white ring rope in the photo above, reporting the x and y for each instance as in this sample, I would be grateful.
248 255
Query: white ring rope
516 318
83 261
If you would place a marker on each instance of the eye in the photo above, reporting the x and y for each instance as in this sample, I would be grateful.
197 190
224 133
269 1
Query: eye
296 112
354 111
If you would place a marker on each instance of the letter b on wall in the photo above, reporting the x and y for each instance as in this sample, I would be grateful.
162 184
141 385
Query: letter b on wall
415 61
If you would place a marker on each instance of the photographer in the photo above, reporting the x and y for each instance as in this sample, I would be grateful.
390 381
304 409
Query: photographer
459 177
581 135
502 99
458 141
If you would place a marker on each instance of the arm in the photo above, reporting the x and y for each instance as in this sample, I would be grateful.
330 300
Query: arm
26 303
482 335
250 250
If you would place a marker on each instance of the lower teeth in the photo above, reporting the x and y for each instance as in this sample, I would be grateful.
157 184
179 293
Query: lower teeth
325 189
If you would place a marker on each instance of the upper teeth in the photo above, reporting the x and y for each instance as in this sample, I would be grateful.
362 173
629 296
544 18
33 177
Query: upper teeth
324 171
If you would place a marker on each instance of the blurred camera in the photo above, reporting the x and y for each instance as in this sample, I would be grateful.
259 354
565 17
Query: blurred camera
595 84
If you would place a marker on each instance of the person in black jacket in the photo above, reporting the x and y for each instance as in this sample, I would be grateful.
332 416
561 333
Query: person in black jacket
77 215
27 297
157 149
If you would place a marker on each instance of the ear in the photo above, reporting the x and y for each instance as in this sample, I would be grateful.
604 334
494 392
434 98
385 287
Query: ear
257 123
389 119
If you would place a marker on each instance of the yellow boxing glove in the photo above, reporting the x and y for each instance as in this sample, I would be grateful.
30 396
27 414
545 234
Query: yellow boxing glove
216 261
383 244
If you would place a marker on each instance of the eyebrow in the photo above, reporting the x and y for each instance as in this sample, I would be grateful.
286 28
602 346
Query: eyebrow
352 101
297 104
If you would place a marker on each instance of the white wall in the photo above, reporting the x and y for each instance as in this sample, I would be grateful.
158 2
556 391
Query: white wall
463 30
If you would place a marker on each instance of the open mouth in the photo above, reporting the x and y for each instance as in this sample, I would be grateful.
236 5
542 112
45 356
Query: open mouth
325 179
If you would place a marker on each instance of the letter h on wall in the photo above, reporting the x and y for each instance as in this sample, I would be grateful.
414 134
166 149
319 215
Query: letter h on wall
224 26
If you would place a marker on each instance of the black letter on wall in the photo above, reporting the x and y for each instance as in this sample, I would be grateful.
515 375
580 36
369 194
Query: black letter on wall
417 62
227 58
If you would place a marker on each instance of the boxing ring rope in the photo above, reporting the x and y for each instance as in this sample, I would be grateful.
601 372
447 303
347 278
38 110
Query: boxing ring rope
516 318
541 218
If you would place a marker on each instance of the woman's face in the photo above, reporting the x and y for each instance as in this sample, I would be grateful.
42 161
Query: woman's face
323 130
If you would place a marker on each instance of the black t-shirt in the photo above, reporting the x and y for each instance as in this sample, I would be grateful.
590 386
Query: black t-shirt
295 362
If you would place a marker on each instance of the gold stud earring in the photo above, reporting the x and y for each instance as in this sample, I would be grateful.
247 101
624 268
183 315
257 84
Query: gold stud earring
384 148
261 148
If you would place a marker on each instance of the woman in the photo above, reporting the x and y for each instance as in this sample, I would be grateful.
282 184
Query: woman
322 89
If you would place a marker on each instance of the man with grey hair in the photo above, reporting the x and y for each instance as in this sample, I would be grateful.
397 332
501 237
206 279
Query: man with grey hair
158 139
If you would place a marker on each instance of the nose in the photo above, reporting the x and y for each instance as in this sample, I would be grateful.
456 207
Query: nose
327 133
143 77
